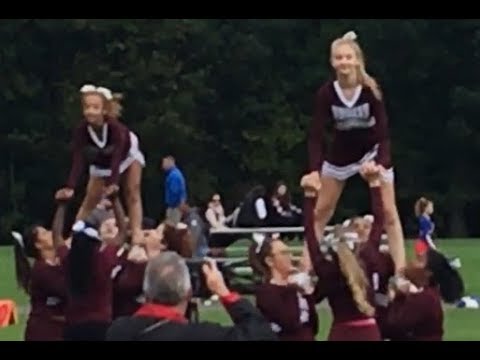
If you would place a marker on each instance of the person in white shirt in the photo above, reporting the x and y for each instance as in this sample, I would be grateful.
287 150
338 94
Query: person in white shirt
215 213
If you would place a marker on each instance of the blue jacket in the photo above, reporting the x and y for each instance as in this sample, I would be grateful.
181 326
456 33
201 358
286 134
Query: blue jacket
175 188
426 227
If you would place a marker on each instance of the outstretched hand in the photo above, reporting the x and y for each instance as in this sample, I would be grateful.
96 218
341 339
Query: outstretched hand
214 278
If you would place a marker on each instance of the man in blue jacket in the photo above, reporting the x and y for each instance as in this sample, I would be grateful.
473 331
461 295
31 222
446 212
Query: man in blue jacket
175 189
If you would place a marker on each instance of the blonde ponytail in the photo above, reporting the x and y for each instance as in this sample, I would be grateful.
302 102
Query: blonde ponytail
367 81
355 277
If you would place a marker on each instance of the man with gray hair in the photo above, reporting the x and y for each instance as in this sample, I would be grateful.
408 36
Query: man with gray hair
168 290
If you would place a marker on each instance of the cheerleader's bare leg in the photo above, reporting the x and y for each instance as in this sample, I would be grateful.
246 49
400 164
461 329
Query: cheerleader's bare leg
92 197
327 200
132 179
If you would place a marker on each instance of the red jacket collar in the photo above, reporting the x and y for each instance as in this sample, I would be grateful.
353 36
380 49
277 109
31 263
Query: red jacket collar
161 312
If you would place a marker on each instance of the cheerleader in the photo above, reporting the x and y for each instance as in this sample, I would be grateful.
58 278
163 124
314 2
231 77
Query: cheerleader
285 296
128 274
383 268
44 281
345 265
415 312
355 105
112 152
284 213
88 269
423 212
127 277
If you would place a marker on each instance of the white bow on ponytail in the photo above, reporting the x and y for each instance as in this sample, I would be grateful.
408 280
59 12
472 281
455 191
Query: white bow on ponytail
18 238
351 35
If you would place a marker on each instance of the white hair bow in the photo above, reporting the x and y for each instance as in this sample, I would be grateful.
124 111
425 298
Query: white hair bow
351 35
304 281
18 238
260 240
81 227
370 218
330 242
100 90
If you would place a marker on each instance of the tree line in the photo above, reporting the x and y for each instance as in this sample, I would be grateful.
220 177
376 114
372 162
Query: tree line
232 100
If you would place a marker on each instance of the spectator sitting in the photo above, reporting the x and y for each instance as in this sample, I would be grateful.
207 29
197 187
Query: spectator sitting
167 289
285 213
255 210
215 214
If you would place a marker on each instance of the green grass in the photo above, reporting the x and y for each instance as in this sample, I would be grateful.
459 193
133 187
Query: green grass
460 324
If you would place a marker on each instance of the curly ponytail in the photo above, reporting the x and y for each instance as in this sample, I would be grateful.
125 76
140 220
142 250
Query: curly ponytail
367 81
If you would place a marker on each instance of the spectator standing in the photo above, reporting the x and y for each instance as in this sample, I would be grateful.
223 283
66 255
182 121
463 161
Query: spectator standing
175 189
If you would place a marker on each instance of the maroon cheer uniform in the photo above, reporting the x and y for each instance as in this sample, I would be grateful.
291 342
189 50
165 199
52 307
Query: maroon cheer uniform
109 152
127 286
416 317
360 132
348 322
292 316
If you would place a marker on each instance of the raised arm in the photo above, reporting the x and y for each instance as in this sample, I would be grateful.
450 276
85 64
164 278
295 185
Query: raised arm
316 132
380 114
394 228
78 159
370 252
326 271
58 224
310 236
249 323
378 214
120 219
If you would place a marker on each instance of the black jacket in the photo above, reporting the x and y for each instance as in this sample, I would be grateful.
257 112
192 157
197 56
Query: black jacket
249 325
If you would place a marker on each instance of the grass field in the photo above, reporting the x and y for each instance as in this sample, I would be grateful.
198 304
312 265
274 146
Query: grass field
460 324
